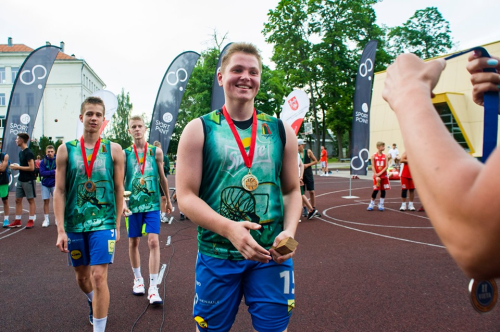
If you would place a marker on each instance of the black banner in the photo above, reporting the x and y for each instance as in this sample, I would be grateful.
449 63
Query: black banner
218 99
360 142
25 98
169 98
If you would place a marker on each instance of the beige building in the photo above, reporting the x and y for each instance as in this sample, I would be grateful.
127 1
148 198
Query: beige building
453 102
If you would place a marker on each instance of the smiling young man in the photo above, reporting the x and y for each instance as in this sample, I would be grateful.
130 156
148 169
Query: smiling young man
143 177
88 202
237 179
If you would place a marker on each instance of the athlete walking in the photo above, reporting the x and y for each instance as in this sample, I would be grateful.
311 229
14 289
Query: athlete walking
143 177
88 194
237 179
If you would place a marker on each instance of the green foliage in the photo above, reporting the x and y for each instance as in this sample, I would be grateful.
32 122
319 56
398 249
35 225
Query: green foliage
118 132
426 33
38 146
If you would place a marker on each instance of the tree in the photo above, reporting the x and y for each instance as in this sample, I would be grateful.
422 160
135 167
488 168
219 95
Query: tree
426 33
118 132
317 44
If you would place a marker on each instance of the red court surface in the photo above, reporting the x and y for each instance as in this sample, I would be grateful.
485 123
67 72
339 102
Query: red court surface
354 271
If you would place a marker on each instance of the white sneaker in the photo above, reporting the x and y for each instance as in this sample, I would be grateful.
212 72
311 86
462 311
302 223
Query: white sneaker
164 219
370 207
45 223
411 207
403 207
153 296
139 289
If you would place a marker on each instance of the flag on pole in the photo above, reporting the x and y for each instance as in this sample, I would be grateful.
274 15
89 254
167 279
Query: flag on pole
25 99
169 98
360 142
295 108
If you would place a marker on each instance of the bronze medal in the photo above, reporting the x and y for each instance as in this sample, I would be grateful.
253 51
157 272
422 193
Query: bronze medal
89 186
250 182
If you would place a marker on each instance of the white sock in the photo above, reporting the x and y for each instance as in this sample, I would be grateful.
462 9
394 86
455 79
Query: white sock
46 216
90 296
372 202
403 204
18 217
163 214
137 272
32 218
153 279
100 324
6 218
382 201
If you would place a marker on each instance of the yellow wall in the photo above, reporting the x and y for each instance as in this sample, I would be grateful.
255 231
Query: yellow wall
454 87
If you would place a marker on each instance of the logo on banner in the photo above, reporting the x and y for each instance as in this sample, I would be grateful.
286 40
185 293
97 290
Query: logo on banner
365 68
178 78
294 103
363 161
32 71
167 117
25 119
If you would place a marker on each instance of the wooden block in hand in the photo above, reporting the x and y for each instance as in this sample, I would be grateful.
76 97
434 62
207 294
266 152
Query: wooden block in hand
286 246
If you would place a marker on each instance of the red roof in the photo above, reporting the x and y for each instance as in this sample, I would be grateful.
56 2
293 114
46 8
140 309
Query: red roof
4 48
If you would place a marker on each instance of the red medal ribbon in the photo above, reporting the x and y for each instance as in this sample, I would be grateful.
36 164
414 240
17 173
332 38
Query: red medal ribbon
88 168
248 159
144 157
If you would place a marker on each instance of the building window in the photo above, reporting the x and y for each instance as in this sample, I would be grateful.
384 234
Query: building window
2 76
2 122
451 124
2 99
15 70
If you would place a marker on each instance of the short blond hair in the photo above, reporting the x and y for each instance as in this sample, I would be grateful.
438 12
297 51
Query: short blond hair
93 101
246 48
380 144
157 144
136 118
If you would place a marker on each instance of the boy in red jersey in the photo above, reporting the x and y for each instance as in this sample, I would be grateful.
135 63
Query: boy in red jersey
406 184
380 179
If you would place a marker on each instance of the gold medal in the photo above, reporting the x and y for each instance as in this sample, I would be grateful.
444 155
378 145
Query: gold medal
250 182
142 181
89 186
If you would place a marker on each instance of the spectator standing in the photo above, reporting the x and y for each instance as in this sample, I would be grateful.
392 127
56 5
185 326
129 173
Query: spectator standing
48 176
25 182
4 186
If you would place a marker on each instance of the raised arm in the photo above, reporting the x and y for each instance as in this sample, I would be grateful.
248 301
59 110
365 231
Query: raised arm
456 190
188 181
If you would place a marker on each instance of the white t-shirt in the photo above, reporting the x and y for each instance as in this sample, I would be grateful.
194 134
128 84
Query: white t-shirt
394 153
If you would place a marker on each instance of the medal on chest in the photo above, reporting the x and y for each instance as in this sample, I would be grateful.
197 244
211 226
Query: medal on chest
141 167
249 182
89 185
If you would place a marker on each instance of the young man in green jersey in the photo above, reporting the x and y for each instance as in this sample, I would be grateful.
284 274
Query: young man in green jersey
88 202
237 180
143 177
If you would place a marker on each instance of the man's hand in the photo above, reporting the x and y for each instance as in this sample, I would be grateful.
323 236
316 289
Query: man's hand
277 257
14 166
62 242
240 237
168 206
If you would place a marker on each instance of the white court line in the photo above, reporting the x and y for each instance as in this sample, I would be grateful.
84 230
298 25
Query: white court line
3 237
363 224
339 191
382 235
5 231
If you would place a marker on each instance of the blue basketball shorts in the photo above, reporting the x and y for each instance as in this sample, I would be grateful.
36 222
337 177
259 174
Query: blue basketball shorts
136 222
269 291
91 248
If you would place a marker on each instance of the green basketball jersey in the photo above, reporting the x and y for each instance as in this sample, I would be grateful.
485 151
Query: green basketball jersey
88 211
221 188
145 196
